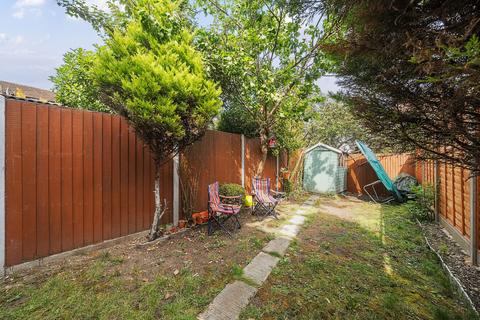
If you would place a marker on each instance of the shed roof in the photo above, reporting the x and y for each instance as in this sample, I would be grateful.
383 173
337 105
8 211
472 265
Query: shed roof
326 146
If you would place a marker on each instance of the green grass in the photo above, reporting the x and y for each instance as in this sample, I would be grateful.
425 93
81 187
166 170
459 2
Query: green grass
100 292
373 266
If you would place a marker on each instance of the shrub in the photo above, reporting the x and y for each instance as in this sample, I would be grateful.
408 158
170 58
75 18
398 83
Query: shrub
231 190
422 207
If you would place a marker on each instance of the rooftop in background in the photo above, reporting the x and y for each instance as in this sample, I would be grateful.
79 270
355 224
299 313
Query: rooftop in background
26 92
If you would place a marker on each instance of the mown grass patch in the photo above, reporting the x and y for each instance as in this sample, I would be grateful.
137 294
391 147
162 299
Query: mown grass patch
99 292
370 264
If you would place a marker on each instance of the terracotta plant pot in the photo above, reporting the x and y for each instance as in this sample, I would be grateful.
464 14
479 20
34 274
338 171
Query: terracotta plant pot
182 224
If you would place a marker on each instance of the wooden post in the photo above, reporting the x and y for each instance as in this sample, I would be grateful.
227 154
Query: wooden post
278 169
437 191
473 219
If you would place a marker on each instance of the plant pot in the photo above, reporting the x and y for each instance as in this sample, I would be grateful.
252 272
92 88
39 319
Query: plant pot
182 224
200 217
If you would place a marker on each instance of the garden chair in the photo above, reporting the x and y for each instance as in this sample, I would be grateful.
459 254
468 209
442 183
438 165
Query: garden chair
265 199
219 213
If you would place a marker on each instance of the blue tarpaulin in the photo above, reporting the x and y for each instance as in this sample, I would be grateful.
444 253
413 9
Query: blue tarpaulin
379 170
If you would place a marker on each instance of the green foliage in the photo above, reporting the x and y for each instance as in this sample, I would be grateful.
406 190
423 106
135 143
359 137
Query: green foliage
334 124
422 207
235 119
287 186
261 53
151 74
73 82
411 69
231 190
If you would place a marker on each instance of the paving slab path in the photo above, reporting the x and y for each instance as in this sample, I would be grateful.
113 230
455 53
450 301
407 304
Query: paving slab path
230 302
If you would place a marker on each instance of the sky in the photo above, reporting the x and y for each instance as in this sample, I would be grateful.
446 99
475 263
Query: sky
34 35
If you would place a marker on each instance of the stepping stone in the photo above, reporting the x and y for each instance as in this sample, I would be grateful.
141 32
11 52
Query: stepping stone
278 245
298 220
260 267
229 303
301 212
290 230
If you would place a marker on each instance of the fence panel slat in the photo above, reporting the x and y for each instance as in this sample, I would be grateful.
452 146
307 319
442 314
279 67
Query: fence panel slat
78 188
43 227
107 176
97 177
67 185
13 183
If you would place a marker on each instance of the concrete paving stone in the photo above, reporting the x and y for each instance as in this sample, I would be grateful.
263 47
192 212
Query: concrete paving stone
278 245
289 230
260 267
298 220
229 303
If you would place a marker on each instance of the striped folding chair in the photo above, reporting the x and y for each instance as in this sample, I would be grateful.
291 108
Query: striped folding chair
264 199
219 213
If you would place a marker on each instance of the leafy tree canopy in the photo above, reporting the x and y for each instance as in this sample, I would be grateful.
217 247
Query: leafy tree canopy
73 82
151 74
334 124
412 71
262 54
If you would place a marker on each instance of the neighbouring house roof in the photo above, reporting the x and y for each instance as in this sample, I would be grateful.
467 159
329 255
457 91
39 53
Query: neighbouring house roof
323 145
31 93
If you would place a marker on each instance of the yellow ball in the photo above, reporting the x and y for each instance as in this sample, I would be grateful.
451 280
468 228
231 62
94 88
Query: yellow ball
248 201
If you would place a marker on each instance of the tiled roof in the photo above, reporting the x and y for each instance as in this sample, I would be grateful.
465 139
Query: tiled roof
31 93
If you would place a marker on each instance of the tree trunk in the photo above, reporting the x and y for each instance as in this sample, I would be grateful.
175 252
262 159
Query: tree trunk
264 150
159 211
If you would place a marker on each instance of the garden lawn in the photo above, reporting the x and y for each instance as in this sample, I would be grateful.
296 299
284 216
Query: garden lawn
173 279
357 260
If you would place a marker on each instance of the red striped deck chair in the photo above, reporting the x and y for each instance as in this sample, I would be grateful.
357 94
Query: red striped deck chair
219 213
264 200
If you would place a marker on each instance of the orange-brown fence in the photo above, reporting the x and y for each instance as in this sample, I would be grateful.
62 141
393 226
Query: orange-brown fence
453 187
75 177
453 194
360 173
217 156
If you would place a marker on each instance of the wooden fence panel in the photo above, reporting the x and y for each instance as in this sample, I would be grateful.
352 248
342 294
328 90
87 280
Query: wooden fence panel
360 173
64 180
75 177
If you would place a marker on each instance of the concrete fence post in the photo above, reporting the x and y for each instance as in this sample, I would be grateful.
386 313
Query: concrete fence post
473 219
243 160
2 184
176 190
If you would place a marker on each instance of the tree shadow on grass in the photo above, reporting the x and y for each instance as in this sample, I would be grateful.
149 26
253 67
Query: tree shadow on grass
369 264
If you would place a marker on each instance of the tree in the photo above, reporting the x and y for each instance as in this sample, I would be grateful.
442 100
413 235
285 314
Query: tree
333 123
261 53
150 73
235 119
412 73
73 82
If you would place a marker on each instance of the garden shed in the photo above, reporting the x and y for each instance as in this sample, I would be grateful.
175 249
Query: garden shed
324 170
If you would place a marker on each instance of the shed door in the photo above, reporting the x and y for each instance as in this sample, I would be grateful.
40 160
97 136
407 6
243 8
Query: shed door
320 171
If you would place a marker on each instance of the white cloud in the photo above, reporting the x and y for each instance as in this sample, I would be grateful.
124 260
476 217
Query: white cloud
9 41
23 7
